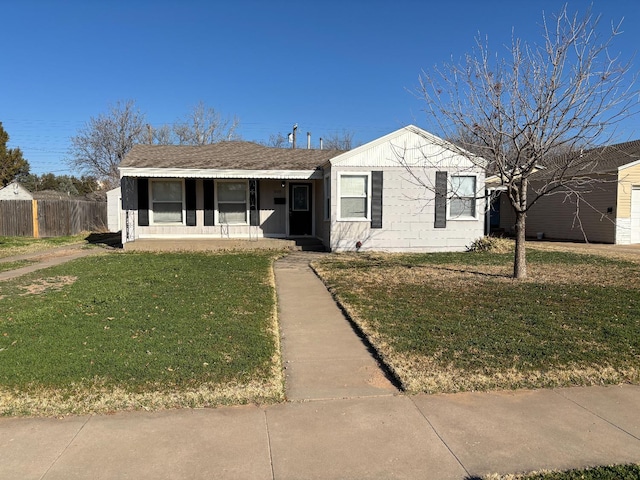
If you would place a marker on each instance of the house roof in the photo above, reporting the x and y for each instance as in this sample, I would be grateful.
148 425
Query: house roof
595 161
599 160
233 159
226 155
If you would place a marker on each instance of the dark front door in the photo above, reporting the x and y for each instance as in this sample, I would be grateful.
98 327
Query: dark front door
300 218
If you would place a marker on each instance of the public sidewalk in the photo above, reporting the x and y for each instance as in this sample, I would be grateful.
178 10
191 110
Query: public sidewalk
343 420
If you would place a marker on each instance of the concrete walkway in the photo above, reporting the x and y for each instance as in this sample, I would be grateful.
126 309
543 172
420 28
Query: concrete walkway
47 258
323 357
343 420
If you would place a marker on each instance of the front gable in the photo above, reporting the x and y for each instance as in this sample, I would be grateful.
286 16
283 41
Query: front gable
406 191
408 147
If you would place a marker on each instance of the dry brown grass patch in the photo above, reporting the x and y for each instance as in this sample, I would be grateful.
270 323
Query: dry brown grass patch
99 399
44 284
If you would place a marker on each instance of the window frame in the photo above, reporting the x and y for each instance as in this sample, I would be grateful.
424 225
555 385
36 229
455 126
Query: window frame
367 197
327 197
217 189
451 196
153 202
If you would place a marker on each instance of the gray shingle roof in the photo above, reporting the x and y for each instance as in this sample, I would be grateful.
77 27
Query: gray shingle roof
598 160
226 155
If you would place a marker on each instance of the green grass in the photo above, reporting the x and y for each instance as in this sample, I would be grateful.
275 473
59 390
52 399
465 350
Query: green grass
139 323
5 266
614 472
10 246
453 322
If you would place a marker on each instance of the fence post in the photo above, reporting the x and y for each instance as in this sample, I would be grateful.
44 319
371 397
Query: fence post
34 209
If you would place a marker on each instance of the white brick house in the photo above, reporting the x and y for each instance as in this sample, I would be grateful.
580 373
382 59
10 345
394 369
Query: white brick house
406 191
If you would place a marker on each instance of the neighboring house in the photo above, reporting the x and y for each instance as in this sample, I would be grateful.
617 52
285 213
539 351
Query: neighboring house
48 213
15 191
363 199
606 211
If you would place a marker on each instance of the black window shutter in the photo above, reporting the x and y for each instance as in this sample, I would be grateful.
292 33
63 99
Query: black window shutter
441 200
254 207
376 199
143 202
190 198
209 202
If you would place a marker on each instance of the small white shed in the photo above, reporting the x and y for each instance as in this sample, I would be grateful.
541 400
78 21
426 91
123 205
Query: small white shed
114 210
15 191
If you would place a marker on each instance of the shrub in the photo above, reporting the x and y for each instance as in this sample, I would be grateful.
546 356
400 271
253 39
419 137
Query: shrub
491 244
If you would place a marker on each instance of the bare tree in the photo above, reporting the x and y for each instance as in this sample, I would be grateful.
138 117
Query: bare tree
203 126
162 135
277 140
565 94
102 143
339 141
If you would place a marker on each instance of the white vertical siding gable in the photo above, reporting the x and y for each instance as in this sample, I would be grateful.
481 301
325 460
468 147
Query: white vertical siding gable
409 146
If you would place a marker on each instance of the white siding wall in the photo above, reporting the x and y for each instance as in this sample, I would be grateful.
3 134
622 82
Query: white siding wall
15 191
273 217
114 210
408 217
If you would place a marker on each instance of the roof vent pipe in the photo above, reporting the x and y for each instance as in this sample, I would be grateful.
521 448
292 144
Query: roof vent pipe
308 140
320 143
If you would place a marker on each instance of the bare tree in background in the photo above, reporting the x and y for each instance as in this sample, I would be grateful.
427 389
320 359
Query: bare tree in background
102 143
277 140
162 135
564 94
339 141
203 126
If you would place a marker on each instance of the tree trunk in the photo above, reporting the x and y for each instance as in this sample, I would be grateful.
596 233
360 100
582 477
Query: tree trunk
520 259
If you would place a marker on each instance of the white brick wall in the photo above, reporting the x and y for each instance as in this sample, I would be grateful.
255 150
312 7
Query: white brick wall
623 231
407 220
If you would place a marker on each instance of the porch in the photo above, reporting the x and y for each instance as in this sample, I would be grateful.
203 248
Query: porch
223 244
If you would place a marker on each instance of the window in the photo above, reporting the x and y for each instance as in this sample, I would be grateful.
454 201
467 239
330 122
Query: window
327 197
232 202
300 202
166 201
463 197
354 197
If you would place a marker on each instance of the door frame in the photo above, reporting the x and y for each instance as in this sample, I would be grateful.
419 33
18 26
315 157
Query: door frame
290 187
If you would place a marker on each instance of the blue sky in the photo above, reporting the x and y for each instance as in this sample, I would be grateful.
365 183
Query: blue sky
327 65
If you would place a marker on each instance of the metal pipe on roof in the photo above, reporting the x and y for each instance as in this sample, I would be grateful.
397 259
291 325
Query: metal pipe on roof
308 140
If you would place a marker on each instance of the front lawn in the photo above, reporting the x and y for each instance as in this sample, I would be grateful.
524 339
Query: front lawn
10 246
6 266
139 330
457 321
611 472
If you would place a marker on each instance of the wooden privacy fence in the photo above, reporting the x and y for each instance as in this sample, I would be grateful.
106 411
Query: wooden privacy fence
51 218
